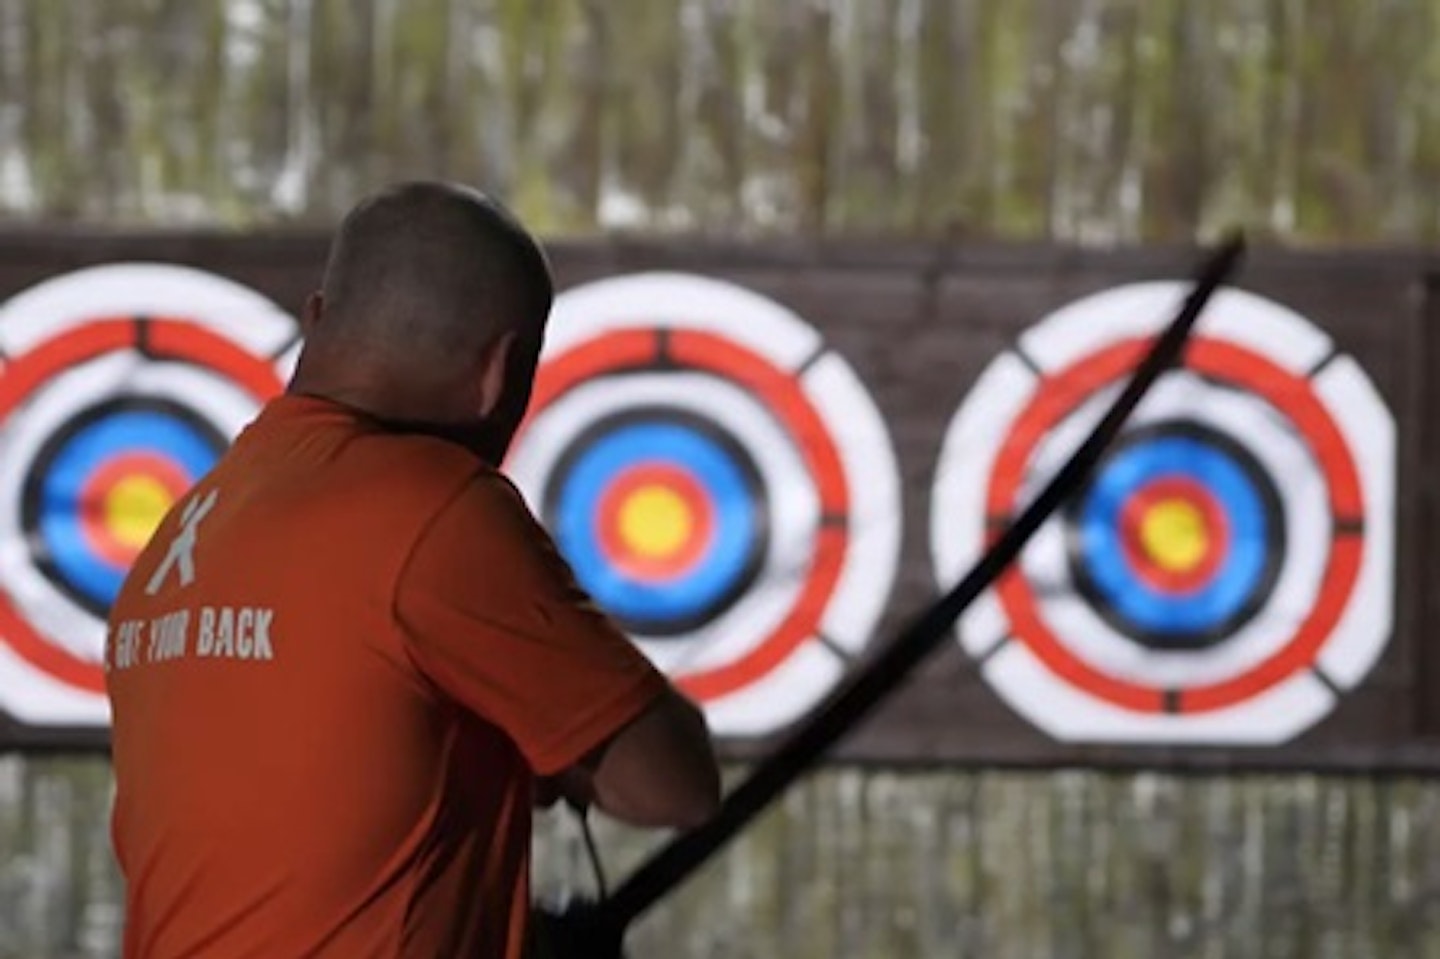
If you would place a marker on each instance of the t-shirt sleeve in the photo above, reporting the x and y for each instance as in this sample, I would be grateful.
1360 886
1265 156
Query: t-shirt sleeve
493 616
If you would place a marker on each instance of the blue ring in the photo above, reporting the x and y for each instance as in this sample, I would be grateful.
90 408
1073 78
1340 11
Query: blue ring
1232 585
716 571
80 455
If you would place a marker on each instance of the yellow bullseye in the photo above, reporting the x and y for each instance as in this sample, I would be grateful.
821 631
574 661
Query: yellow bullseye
655 522
134 507
1174 535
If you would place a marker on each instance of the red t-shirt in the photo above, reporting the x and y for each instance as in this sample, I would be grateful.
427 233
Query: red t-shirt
333 672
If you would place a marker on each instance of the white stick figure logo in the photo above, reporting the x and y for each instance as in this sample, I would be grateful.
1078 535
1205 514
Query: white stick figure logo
182 547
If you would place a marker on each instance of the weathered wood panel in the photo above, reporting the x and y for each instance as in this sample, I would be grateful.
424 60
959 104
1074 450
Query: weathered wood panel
1068 865
59 889
1093 121
876 865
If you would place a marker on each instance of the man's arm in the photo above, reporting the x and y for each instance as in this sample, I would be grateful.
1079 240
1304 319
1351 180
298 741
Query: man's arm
659 770
494 617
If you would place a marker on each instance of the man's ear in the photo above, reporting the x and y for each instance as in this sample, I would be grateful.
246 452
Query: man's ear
494 372
311 315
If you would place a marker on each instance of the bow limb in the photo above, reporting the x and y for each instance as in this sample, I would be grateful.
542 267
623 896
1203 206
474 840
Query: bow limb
858 695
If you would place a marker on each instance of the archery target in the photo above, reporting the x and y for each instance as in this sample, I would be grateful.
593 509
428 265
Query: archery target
120 386
720 482
1227 572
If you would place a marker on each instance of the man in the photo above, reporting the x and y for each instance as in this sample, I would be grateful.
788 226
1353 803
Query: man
349 656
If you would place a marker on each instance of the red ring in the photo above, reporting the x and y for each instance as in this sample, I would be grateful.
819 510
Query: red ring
1060 393
651 569
781 394
97 487
168 338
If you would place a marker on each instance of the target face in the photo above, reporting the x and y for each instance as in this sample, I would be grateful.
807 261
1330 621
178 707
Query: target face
1227 572
722 485
120 386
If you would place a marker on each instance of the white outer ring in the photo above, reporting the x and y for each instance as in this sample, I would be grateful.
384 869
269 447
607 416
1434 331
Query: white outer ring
682 301
1004 389
224 307
662 300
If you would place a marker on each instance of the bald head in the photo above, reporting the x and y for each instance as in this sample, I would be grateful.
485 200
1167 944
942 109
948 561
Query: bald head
432 309
433 268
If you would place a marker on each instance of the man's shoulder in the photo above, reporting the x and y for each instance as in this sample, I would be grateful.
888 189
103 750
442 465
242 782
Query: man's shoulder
442 480
415 460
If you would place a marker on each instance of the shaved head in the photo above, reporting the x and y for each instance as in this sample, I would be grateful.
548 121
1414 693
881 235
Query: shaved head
434 268
432 310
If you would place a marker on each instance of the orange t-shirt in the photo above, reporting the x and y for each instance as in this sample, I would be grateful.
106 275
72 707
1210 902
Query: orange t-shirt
334 671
